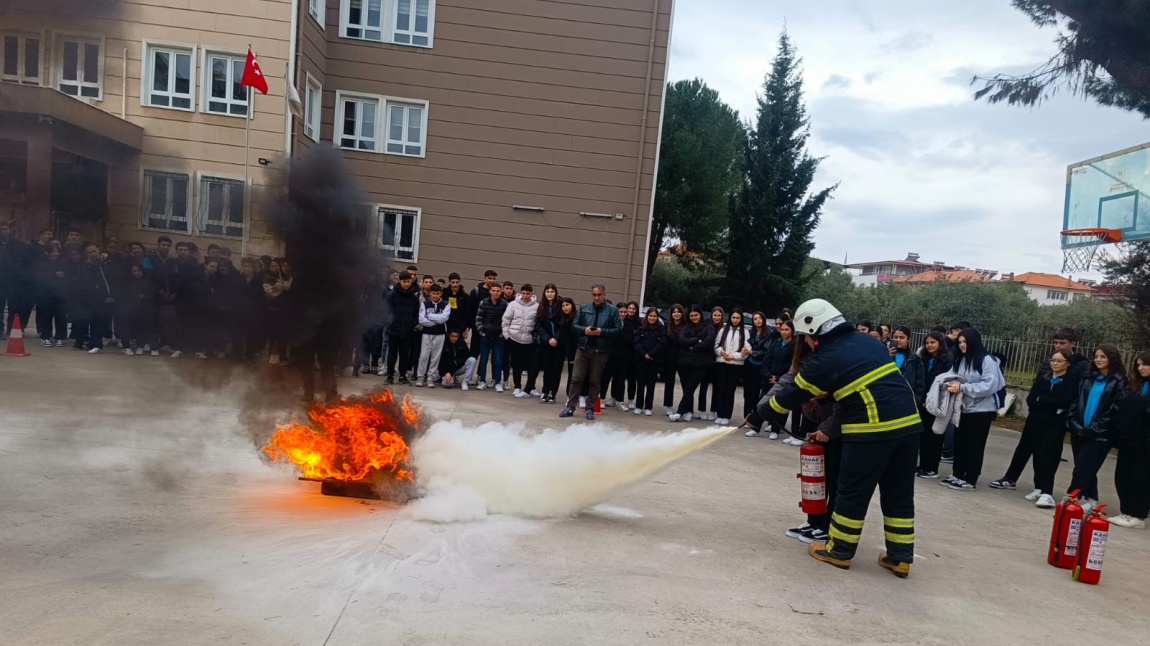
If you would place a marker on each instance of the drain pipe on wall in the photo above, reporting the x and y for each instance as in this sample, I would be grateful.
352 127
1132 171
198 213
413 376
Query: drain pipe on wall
642 149
289 75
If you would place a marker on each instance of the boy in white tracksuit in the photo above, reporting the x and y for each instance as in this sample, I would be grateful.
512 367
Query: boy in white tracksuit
433 314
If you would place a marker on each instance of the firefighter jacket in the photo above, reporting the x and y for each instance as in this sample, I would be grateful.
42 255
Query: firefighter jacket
875 401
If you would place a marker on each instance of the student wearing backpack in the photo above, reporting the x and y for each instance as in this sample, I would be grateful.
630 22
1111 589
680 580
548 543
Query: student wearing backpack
980 385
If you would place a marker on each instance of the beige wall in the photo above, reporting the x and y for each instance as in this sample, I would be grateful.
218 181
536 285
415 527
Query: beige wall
531 102
176 140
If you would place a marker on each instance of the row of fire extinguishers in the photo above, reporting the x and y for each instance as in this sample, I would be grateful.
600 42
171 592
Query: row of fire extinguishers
1077 541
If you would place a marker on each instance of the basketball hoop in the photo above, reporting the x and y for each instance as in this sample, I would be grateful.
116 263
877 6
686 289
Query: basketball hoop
1082 248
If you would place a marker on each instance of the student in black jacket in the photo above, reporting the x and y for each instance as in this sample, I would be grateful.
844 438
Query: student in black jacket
402 336
50 289
1090 420
456 362
1132 471
619 361
909 364
780 356
696 341
649 344
759 340
677 318
1045 430
935 358
552 323
548 307
136 311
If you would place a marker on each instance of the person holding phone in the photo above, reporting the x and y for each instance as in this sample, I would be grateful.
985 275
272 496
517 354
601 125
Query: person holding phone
595 325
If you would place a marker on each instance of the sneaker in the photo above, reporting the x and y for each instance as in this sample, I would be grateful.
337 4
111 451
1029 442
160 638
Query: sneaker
590 415
430 383
773 436
794 441
155 353
389 381
94 351
670 411
139 352
948 459
382 372
608 403
818 551
404 382
567 412
928 475
751 433
147 347
1135 523
800 531
60 344
522 394
420 383
1087 506
1003 483
177 354
1033 495
535 393
961 485
45 343
498 388
637 411
463 385
1045 501
948 479
687 417
898 568
128 352
711 416
819 535
647 412
517 393
582 402
201 355
674 417
622 406
482 386
723 421
506 383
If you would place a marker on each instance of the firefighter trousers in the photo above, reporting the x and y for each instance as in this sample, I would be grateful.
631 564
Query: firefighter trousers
889 465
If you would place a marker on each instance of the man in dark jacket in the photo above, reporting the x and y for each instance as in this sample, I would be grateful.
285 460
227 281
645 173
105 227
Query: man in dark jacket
403 302
477 296
596 324
489 327
881 428
99 297
459 301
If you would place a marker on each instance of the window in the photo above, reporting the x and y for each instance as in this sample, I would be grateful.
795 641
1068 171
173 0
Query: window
404 22
399 231
168 83
221 206
164 203
223 92
1055 295
79 67
363 121
20 59
404 129
358 130
317 8
312 105
1079 296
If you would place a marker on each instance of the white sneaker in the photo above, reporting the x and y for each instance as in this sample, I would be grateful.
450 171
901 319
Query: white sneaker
608 403
637 411
1087 505
201 355
1120 520
674 417
622 406
1045 501
147 347
773 436
498 388
582 403
420 383
1033 495
751 433
630 403
687 417
518 393
535 393
177 354
463 385
382 372
647 412
154 353
670 411
128 351
723 421
482 386
94 351
711 416
139 351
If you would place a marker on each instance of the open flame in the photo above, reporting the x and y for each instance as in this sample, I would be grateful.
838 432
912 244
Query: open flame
360 438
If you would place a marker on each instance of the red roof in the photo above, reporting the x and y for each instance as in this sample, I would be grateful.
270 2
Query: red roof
958 276
1036 279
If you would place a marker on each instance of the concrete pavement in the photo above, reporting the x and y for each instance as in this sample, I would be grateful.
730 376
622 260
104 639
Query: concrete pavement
135 510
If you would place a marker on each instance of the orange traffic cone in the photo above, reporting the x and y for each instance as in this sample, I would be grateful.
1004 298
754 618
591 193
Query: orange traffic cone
16 340
598 405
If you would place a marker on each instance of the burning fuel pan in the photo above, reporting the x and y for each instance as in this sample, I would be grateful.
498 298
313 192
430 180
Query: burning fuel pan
358 489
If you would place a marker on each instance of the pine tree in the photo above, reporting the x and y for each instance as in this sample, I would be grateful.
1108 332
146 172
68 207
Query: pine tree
773 215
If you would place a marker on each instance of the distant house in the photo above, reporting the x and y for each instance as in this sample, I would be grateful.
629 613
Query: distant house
951 276
886 271
1052 289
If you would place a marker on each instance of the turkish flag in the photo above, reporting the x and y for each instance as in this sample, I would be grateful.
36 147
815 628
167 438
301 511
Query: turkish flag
253 76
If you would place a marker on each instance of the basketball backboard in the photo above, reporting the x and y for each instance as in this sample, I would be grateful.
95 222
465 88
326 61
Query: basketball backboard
1109 192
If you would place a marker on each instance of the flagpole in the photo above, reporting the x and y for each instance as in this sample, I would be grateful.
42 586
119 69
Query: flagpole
247 169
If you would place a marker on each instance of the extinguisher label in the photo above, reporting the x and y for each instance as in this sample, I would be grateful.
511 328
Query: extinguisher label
812 466
1097 548
1072 536
814 490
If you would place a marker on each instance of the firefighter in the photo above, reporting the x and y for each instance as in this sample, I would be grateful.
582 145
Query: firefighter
880 425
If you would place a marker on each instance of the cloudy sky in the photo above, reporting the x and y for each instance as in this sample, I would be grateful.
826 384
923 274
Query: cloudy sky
922 166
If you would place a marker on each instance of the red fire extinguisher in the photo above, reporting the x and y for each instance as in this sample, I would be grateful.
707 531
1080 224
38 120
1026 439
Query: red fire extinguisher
1064 534
1093 546
813 478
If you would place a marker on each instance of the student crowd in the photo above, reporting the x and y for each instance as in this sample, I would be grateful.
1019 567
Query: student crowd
439 333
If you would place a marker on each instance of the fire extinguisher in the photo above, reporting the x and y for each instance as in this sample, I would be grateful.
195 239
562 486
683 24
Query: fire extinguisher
1064 534
1094 532
813 478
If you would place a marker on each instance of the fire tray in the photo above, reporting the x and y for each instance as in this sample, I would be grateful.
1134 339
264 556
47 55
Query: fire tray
359 489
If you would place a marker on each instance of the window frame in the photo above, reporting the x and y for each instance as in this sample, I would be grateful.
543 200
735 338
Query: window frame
201 214
312 87
41 61
150 46
143 220
382 121
59 39
316 9
388 21
206 84
1057 295
403 143
381 211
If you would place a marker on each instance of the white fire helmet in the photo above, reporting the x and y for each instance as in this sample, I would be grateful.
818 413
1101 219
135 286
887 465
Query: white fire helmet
816 316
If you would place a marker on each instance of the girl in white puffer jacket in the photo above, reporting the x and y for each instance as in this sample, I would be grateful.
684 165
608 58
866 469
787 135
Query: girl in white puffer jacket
732 347
519 330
